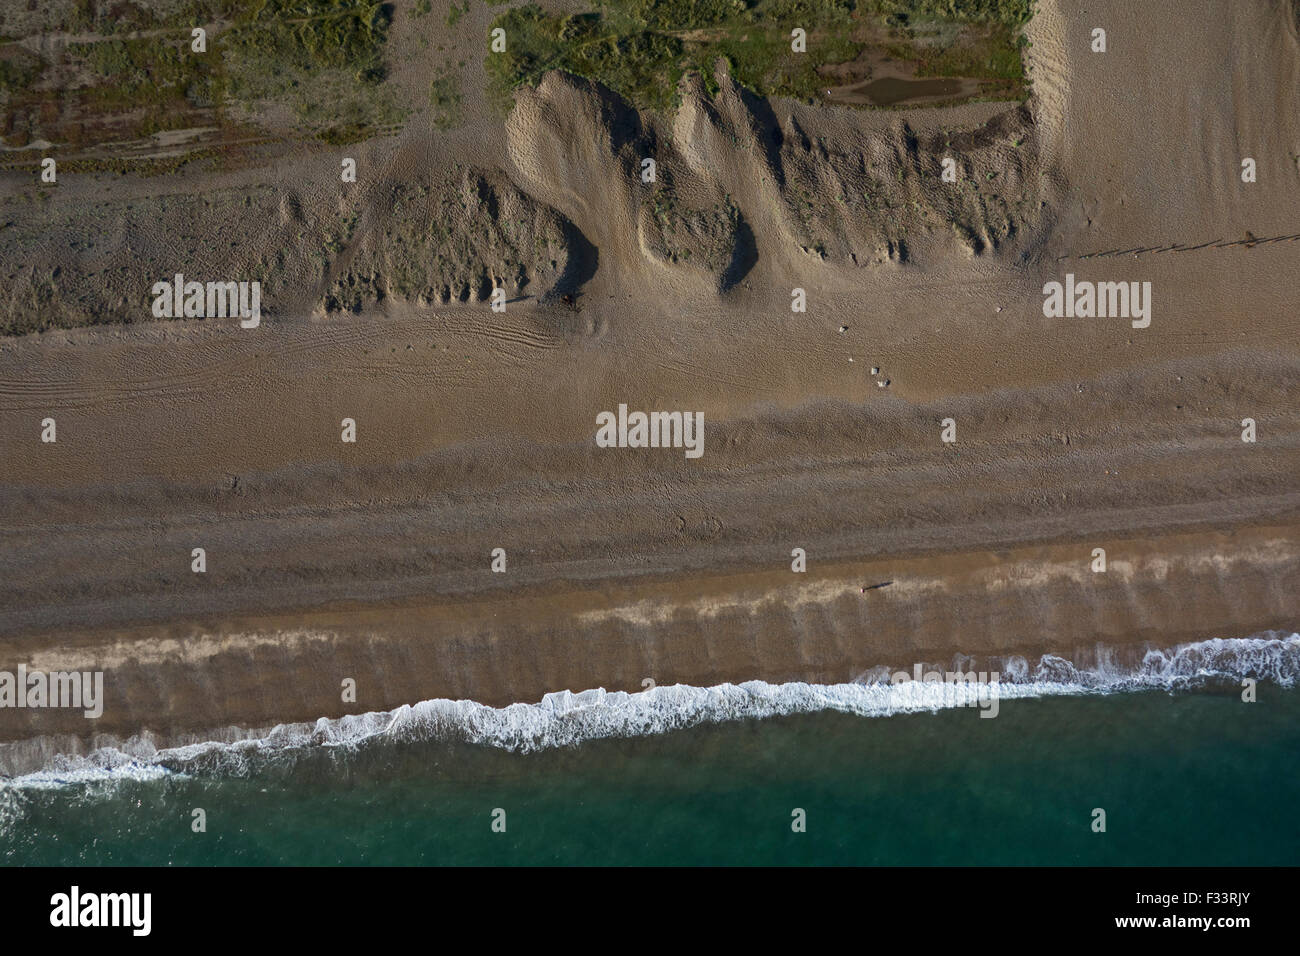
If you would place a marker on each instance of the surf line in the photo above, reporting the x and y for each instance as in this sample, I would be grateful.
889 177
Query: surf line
651 430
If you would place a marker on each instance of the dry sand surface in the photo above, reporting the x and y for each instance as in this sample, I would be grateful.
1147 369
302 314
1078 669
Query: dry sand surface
476 429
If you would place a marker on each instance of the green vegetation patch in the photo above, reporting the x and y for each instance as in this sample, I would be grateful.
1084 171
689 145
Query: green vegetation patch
157 75
1008 13
322 58
642 48
445 97
306 37
19 68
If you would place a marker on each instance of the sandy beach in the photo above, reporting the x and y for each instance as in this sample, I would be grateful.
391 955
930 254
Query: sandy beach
475 430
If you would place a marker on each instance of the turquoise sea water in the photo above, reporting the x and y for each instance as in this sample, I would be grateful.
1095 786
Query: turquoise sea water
1188 778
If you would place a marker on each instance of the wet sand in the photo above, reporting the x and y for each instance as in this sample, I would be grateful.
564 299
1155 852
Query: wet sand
178 683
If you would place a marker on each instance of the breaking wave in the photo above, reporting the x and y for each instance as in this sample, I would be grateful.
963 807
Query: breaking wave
565 718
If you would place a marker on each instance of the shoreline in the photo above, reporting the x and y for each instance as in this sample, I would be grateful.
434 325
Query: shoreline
775 625
570 718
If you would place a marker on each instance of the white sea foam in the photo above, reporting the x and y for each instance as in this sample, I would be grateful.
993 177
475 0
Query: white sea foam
565 718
